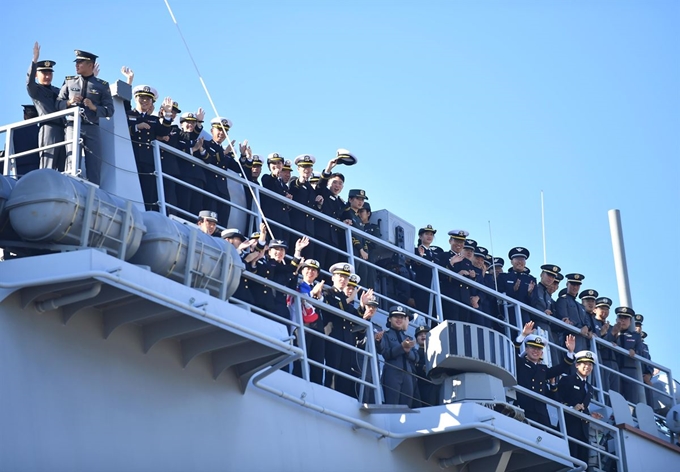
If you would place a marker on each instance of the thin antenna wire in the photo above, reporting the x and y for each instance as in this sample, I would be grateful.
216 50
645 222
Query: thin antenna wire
545 257
493 271
214 108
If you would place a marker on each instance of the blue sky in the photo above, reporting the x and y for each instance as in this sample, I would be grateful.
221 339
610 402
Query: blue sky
461 113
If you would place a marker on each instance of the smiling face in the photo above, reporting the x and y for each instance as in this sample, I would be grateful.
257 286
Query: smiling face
534 353
572 288
518 264
456 245
309 274
144 103
547 278
588 304
584 368
398 322
335 185
277 253
275 167
602 312
218 134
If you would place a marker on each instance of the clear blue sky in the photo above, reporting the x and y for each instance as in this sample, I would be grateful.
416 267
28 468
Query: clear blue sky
460 112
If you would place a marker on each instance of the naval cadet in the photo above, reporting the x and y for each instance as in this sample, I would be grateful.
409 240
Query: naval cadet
588 298
330 186
350 216
93 96
311 318
304 194
455 261
207 222
624 336
339 328
188 141
44 96
213 153
367 272
517 282
422 273
602 328
574 391
273 209
400 356
541 297
169 161
234 237
145 128
573 313
533 375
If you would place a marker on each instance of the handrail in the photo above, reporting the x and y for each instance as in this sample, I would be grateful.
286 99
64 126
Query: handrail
438 271
8 161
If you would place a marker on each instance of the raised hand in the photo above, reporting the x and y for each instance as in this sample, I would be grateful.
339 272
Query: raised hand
167 105
95 71
570 342
528 329
36 51
366 295
200 114
301 243
243 147
128 74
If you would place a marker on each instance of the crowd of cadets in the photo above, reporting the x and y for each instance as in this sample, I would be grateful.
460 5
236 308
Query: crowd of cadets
321 192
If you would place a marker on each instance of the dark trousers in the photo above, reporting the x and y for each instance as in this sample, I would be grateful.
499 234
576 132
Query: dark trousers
316 350
91 148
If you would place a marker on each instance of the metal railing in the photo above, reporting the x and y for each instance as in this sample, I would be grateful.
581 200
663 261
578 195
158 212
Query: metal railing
8 161
510 307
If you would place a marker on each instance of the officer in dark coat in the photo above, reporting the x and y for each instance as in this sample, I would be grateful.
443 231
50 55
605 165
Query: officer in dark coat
607 357
518 283
169 161
273 209
235 238
400 356
423 274
533 375
453 288
330 186
93 96
541 298
24 139
44 96
623 334
356 199
145 128
575 391
337 357
368 273
188 140
214 154
572 312
304 194
427 392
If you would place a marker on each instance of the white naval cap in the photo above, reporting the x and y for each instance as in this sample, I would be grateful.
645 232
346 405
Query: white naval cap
145 90
305 160
219 122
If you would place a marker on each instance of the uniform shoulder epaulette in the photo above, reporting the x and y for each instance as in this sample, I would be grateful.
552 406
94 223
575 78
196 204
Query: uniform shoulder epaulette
70 77
103 82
